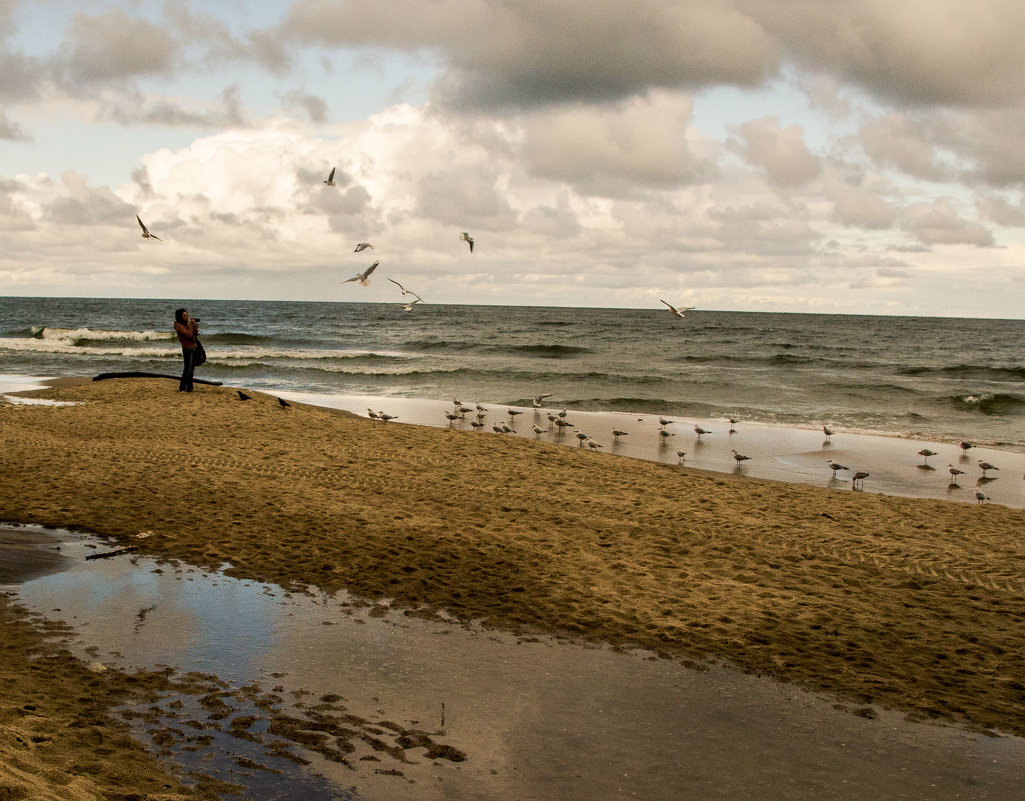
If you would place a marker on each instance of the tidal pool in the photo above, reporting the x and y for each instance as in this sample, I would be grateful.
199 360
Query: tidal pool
330 697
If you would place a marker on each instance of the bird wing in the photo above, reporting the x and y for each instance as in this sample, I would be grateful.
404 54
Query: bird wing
470 240
672 308
371 268
143 227
354 278
398 285
331 175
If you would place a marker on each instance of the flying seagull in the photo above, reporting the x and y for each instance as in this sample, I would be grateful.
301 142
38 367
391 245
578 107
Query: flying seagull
539 398
677 312
361 246
363 276
404 290
145 231
465 237
409 306
331 178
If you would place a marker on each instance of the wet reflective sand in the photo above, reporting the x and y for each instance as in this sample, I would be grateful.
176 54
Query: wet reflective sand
535 717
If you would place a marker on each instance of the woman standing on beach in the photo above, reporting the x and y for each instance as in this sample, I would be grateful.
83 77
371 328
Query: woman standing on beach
187 330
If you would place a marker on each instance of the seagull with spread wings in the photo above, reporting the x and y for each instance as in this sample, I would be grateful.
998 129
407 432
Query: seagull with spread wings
361 246
465 237
331 178
145 231
677 312
364 276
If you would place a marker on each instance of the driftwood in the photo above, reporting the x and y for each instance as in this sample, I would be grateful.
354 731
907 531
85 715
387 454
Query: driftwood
108 554
105 376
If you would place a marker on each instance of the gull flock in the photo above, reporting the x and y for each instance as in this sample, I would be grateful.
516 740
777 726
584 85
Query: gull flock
557 422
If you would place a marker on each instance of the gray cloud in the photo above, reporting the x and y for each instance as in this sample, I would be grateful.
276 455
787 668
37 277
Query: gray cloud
613 152
525 54
1001 211
115 46
925 52
132 107
314 107
468 197
780 152
76 203
12 131
939 223
861 207
904 143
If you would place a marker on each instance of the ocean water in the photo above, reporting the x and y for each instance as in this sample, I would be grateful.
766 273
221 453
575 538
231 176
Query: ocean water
927 378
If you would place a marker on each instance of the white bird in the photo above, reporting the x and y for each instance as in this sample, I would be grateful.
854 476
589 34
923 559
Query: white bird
677 312
539 398
386 417
834 466
986 466
404 290
859 478
538 431
954 473
981 497
925 453
330 178
364 276
145 231
465 237
361 246
593 445
617 433
409 306
699 431
739 457
372 414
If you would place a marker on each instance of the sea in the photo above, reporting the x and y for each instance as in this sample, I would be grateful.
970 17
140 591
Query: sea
926 378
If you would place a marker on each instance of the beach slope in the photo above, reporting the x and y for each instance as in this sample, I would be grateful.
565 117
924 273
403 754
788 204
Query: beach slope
910 604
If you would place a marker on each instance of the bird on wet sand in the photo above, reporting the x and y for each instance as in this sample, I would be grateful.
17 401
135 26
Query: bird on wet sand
465 237
859 479
984 466
451 417
954 473
981 497
477 424
834 466
616 433
662 421
739 457
699 431
965 446
827 431
364 276
538 431
145 231
563 423
243 396
664 432
733 423
681 455
580 435
593 445
925 453
513 413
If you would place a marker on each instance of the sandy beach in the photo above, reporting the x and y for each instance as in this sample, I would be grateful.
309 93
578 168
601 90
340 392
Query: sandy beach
912 604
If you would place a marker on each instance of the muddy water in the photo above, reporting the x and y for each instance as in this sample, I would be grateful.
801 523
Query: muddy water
436 710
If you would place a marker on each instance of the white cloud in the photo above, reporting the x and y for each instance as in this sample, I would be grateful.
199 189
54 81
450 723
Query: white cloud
779 151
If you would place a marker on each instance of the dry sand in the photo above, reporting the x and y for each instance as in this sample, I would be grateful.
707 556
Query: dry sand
905 603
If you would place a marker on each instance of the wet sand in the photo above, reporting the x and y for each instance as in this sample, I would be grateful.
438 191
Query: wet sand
909 604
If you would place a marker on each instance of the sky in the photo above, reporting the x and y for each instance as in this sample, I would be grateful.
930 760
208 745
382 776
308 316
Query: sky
864 156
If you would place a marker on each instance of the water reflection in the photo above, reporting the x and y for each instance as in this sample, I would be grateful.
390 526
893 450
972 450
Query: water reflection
536 717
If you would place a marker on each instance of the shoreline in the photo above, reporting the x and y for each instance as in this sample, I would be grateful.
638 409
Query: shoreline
912 604
791 455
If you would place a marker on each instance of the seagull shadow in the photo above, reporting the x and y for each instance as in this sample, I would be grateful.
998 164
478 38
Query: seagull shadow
827 444
984 480
926 467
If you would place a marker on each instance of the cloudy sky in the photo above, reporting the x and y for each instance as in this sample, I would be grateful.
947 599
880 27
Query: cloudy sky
864 156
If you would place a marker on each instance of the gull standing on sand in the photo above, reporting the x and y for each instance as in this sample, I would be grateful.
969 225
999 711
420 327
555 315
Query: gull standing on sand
361 246
827 431
363 277
662 432
662 421
954 473
243 396
284 404
145 231
372 414
834 466
986 466
925 453
739 457
386 417
616 433
538 431
330 178
677 312
477 425
981 497
465 237
699 431
582 436
965 446
859 478
733 423
593 445
681 455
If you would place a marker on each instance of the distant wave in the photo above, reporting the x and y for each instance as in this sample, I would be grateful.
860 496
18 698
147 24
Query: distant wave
998 403
462 346
969 371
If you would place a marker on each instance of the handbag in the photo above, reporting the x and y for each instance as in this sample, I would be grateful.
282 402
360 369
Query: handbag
199 355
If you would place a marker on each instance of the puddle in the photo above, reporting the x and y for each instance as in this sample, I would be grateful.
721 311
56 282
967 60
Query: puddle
386 705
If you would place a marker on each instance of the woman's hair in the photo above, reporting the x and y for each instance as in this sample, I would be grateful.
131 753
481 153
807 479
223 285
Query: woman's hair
178 316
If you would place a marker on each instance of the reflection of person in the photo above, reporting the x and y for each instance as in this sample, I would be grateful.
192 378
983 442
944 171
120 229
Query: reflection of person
187 330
